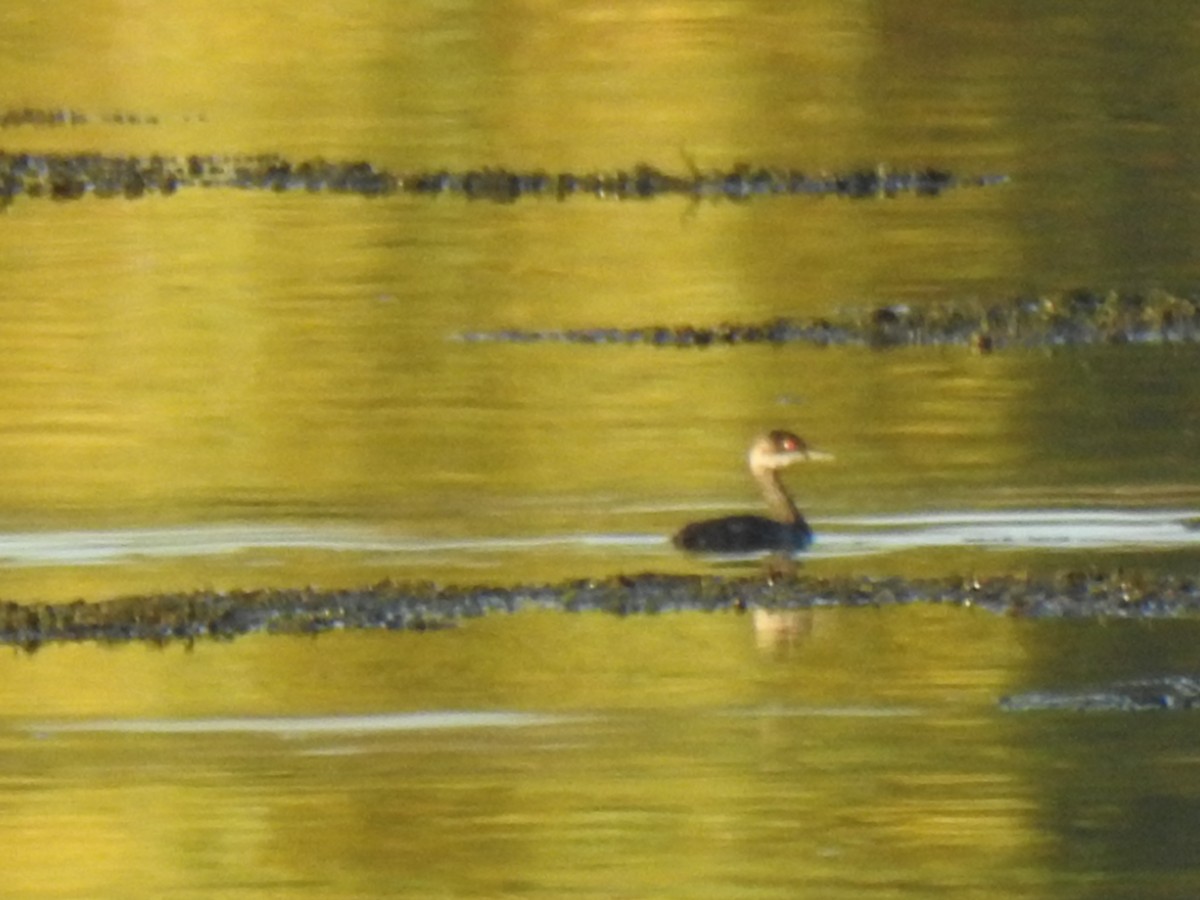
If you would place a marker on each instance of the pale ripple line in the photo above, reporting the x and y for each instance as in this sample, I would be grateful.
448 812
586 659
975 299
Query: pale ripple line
1048 534
831 712
95 547
386 722
1044 529
1019 517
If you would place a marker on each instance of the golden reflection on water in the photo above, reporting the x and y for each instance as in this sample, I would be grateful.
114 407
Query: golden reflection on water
288 377
216 359
213 358
555 662
684 748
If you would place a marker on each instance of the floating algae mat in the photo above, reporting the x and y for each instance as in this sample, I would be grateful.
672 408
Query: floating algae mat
71 176
420 606
1167 692
1068 319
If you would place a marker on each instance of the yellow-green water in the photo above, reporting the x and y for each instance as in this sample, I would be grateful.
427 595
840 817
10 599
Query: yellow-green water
222 390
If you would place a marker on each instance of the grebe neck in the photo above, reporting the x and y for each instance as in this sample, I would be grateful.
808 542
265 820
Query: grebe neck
778 500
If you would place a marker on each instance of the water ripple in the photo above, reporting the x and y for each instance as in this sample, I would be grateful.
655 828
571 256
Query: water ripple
292 725
837 537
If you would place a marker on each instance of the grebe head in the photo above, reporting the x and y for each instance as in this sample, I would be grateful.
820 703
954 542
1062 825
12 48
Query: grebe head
780 449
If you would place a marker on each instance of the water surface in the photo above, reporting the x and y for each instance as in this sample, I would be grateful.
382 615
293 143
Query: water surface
225 390
842 752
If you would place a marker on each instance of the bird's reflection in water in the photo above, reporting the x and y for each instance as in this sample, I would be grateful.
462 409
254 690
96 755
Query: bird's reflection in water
781 630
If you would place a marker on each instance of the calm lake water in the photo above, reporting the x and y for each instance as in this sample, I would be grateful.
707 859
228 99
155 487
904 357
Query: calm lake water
221 389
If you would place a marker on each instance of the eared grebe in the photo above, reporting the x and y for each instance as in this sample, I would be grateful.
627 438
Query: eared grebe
786 532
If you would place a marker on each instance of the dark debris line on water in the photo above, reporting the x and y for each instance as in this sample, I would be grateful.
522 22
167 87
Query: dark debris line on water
30 117
1073 318
1165 692
63 176
426 606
